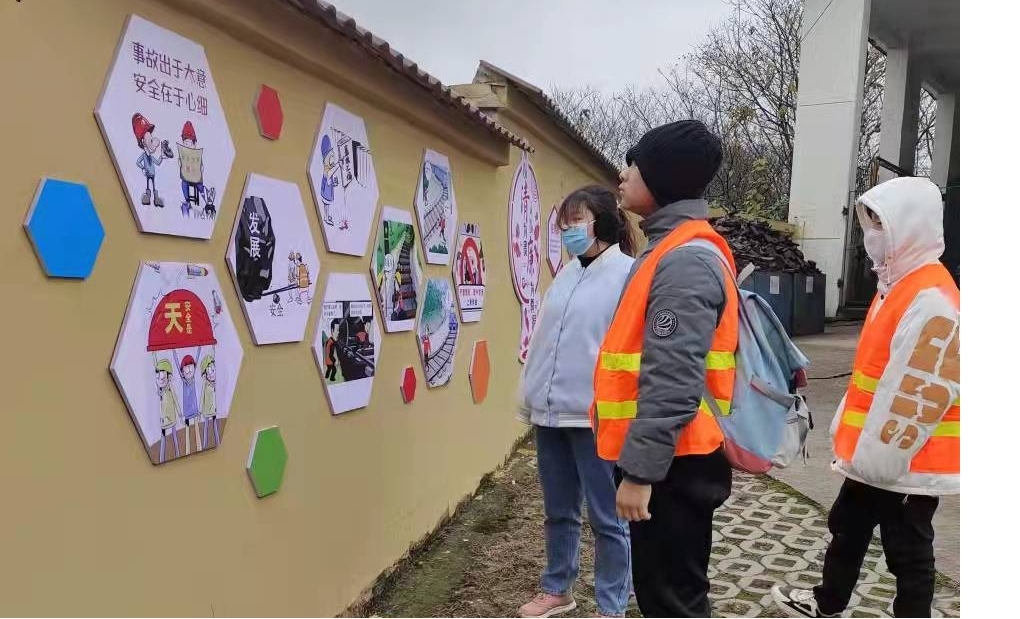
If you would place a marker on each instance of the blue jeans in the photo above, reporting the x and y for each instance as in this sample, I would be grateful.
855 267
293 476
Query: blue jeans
570 471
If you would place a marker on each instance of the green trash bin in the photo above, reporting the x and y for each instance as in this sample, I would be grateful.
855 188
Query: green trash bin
808 304
776 287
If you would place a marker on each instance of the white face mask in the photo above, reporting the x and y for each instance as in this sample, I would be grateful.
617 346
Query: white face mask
875 244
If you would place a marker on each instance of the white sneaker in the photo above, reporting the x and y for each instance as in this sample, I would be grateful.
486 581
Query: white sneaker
797 602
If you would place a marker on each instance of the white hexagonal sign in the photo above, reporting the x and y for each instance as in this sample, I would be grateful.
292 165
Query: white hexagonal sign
272 260
346 343
396 270
166 131
341 171
177 359
437 207
469 272
437 332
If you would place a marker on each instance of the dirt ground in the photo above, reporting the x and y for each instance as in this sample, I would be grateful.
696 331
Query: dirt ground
487 560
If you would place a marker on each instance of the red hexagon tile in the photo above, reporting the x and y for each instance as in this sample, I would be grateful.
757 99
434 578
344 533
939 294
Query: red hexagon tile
269 112
408 384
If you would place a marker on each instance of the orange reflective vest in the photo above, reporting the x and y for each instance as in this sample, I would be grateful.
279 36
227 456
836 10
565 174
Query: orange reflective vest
941 453
619 360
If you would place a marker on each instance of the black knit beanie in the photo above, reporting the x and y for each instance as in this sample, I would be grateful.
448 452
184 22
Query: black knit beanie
677 161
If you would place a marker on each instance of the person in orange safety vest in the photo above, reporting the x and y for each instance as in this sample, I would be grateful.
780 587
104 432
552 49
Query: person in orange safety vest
672 338
896 435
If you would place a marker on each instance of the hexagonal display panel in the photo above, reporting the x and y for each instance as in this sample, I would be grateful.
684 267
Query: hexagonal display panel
437 207
342 174
346 342
269 112
64 228
396 270
437 332
478 373
469 272
267 460
166 131
177 359
272 260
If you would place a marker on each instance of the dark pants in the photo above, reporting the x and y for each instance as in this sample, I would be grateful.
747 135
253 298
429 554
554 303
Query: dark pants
907 536
670 552
331 372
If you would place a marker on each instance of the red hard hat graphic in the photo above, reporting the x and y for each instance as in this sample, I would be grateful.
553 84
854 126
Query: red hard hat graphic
141 126
180 320
188 133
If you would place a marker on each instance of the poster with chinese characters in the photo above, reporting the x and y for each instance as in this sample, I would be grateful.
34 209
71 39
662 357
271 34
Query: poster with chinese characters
437 207
346 342
469 272
272 260
341 171
554 243
525 231
177 359
396 270
437 332
165 129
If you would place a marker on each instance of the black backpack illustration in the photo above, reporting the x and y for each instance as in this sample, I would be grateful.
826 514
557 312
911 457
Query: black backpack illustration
255 245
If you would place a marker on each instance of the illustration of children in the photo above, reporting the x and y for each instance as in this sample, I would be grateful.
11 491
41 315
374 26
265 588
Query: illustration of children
330 353
190 395
208 370
304 281
169 409
330 165
152 156
292 276
275 308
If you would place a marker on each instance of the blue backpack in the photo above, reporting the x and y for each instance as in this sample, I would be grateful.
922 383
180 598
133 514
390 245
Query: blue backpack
768 420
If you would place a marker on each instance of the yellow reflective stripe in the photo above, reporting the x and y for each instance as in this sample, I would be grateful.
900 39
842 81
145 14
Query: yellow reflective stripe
724 407
628 409
621 361
717 360
956 402
864 382
855 419
617 410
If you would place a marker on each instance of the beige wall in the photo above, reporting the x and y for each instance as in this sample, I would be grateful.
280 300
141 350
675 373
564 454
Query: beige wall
88 526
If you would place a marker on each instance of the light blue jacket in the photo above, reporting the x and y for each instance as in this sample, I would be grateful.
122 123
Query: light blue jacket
556 382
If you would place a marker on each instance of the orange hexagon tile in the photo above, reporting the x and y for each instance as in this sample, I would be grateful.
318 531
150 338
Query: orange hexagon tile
478 374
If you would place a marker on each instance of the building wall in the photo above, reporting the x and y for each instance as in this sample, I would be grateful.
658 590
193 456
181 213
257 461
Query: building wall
89 526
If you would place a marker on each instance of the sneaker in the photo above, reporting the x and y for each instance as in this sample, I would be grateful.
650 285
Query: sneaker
548 605
797 602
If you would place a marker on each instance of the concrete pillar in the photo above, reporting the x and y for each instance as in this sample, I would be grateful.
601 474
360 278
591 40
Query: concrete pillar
899 112
831 85
945 164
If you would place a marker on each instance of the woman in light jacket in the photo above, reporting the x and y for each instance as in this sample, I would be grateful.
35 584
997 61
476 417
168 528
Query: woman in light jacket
556 393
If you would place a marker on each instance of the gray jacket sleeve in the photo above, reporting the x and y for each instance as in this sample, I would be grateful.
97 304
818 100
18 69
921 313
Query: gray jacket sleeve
685 305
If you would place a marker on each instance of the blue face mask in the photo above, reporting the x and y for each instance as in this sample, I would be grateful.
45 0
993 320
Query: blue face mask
576 239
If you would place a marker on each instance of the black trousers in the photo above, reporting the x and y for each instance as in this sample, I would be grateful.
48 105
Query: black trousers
669 553
907 535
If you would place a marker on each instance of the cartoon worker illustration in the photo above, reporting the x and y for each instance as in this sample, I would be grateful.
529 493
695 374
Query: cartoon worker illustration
169 409
208 370
292 275
153 152
388 289
192 168
304 280
330 166
426 346
190 397
331 352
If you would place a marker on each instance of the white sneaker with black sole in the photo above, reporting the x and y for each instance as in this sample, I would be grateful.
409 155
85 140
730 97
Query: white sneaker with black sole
797 602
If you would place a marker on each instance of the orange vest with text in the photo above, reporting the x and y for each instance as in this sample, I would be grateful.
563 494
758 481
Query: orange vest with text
941 454
619 361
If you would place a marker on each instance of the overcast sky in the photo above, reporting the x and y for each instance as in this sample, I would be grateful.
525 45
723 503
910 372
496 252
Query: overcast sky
606 43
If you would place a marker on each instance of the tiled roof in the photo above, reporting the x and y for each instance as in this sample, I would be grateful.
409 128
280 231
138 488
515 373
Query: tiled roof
548 106
376 47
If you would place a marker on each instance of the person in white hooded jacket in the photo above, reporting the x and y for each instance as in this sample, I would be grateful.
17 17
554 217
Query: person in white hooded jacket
555 395
896 434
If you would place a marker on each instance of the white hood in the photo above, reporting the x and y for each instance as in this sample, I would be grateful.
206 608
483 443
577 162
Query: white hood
910 209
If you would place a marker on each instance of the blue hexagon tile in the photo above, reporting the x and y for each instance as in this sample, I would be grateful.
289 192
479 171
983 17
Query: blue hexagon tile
64 228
